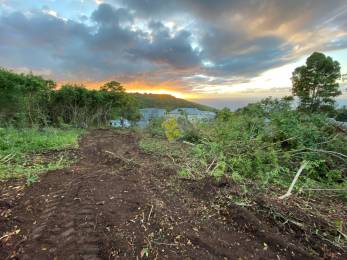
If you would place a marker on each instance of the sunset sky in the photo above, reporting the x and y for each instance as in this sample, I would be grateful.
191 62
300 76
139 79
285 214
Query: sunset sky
220 52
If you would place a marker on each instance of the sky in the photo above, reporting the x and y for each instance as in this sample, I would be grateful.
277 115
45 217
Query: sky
220 52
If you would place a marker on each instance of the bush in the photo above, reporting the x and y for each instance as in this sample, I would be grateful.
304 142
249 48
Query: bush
29 101
155 127
341 114
171 129
267 142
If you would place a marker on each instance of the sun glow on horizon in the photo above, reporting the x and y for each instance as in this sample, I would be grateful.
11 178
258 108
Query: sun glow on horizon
161 91
133 88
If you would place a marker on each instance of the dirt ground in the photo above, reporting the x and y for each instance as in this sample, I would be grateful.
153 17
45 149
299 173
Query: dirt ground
117 202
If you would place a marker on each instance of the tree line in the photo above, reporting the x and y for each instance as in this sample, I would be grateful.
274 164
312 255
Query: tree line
30 100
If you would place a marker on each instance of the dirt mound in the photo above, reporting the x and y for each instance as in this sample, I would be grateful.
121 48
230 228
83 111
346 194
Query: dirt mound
119 203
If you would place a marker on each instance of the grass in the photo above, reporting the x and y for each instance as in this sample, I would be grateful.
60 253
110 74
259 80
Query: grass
26 152
161 147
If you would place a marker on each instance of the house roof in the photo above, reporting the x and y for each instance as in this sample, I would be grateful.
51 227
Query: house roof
187 110
191 111
148 113
152 110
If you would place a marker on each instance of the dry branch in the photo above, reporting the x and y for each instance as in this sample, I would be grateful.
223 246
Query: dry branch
289 192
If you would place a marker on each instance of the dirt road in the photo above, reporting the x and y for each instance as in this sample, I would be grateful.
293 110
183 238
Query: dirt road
117 202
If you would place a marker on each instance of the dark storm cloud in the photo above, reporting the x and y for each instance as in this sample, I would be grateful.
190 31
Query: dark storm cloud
230 31
260 54
171 40
71 48
273 12
107 15
166 49
93 52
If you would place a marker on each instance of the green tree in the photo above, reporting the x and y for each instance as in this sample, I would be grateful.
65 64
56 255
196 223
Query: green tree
112 86
224 114
316 83
24 98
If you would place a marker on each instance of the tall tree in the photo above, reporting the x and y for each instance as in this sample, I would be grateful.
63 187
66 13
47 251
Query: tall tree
112 86
315 84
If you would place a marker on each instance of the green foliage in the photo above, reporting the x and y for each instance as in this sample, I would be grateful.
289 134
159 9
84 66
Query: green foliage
266 142
28 100
161 147
315 83
151 145
76 105
172 131
155 127
191 133
112 86
341 114
165 101
23 98
224 115
31 178
19 146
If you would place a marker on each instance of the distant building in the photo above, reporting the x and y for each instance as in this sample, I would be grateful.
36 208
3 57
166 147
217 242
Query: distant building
338 124
192 114
120 123
147 114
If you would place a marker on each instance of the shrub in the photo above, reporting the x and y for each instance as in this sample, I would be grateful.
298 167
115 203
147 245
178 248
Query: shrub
267 142
155 127
172 132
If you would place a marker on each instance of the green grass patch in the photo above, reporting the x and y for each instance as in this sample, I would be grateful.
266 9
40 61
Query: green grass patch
176 152
27 152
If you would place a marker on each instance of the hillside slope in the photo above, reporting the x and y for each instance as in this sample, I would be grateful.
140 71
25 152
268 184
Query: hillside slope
166 101
118 202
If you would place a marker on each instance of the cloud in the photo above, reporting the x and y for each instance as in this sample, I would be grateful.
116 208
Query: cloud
163 48
106 15
167 42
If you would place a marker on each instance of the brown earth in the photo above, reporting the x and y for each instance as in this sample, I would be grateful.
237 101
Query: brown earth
117 202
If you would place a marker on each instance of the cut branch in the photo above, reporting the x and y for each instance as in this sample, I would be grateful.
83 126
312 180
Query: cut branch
289 192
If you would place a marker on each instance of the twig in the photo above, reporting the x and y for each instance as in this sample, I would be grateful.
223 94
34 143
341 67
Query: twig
166 244
173 160
289 192
328 189
189 143
209 167
279 142
330 140
336 154
329 152
129 161
4 236
150 212
7 158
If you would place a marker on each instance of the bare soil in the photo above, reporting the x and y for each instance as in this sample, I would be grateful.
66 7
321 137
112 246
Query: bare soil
118 202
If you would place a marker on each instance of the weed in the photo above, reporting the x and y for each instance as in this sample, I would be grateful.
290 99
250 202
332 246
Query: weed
20 150
145 252
31 178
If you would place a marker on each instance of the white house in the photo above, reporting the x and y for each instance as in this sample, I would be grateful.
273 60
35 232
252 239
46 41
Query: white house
147 114
192 114
120 123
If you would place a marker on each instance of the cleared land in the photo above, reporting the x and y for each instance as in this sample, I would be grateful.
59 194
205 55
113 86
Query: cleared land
118 202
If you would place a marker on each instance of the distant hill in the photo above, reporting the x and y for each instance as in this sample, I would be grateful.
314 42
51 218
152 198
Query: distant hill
166 101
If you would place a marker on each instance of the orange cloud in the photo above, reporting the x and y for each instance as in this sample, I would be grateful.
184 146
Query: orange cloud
140 86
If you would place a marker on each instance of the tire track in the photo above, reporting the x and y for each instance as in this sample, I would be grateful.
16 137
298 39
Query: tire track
38 237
